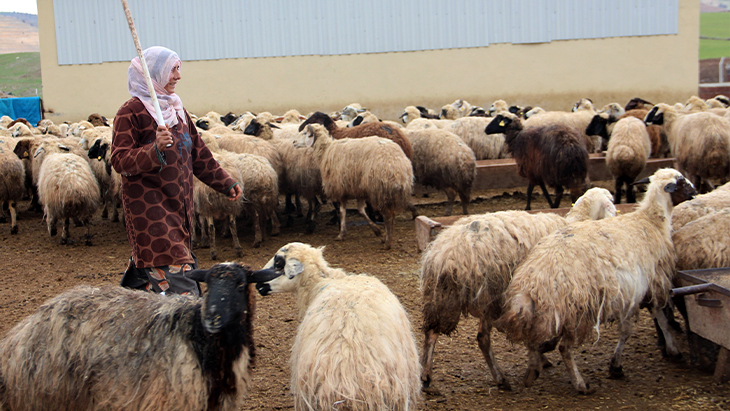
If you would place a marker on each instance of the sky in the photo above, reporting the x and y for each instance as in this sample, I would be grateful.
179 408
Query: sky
19 6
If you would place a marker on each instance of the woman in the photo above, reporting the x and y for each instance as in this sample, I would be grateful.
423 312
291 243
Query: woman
157 163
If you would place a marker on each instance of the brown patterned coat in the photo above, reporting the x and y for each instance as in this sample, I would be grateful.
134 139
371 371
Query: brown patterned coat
158 198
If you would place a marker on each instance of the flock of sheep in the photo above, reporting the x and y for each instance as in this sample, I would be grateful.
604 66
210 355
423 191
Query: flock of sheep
545 281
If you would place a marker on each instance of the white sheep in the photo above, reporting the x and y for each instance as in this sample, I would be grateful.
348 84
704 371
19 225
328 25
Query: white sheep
699 141
459 108
110 181
701 205
442 160
372 169
12 188
354 347
594 272
628 151
113 348
210 205
467 267
67 189
703 243
484 146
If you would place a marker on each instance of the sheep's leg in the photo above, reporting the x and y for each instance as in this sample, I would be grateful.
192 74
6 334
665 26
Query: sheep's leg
546 194
534 366
258 237
465 197
429 344
558 196
343 224
87 237
485 344
210 224
615 369
575 377
13 208
288 204
373 226
413 210
530 187
275 224
234 235
389 217
312 212
450 198
64 232
618 187
51 221
671 347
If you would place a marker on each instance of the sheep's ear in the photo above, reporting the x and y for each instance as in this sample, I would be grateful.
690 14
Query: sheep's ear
644 180
293 268
310 136
272 125
197 275
262 276
64 148
38 152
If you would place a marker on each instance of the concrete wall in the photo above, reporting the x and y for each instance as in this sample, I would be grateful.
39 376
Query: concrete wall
551 75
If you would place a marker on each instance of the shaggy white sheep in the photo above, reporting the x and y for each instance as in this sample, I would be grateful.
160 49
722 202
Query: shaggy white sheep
354 348
594 272
372 169
467 267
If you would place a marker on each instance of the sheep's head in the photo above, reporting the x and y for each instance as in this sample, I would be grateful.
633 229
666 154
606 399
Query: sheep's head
228 118
319 118
287 264
583 104
226 300
501 123
498 106
597 203
637 102
657 114
203 124
309 136
672 182
723 99
598 126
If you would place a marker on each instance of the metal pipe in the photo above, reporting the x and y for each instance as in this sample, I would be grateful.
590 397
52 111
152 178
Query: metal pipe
692 289
721 71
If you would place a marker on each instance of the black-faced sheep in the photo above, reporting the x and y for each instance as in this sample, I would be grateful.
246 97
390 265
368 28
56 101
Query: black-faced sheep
594 272
365 130
364 169
110 181
442 160
554 155
699 141
354 347
467 267
113 348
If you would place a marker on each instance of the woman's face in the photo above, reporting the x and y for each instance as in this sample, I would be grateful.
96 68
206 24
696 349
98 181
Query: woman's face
174 78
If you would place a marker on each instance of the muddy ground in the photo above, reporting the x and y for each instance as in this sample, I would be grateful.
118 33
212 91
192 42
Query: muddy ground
37 268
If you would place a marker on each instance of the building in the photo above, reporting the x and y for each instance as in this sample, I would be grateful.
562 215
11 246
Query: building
322 54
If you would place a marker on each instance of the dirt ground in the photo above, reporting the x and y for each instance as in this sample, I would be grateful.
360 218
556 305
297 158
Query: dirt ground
38 267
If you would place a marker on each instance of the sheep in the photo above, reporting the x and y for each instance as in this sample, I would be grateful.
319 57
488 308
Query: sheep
5 121
596 271
12 188
210 204
110 181
22 130
703 243
638 103
552 155
67 189
259 182
498 107
584 104
699 141
97 120
657 136
112 348
350 112
628 151
354 348
442 160
459 108
467 267
291 117
365 130
210 119
368 168
533 112
578 120
411 113
701 205
471 130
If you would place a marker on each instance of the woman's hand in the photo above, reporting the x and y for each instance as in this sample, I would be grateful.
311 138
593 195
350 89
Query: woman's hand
163 138
235 193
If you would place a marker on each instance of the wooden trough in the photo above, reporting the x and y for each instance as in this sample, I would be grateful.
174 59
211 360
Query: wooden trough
502 173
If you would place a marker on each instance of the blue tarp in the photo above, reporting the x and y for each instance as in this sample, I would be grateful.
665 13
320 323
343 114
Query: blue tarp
28 108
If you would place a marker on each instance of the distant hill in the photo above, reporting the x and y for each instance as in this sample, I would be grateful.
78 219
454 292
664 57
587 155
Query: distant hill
19 33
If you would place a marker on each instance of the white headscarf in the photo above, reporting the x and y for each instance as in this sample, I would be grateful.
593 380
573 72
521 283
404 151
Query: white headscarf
160 62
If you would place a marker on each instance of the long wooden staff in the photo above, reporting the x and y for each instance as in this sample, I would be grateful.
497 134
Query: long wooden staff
150 86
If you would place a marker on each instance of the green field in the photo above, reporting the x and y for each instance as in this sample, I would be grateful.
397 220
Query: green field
20 74
714 25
